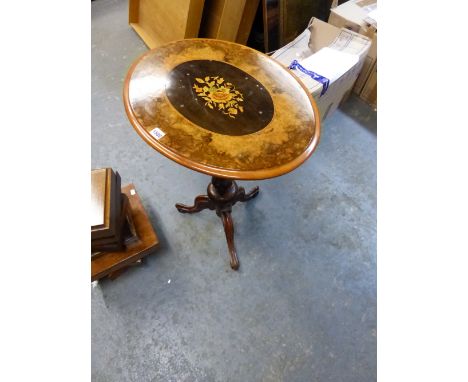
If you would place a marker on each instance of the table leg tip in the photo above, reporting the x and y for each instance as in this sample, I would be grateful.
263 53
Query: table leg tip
181 208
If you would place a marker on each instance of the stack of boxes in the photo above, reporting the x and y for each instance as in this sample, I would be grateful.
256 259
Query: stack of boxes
336 58
361 16
335 55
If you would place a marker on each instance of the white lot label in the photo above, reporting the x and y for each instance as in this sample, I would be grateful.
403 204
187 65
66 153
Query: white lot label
157 133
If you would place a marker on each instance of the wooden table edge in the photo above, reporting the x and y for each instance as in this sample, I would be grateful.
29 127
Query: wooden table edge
213 170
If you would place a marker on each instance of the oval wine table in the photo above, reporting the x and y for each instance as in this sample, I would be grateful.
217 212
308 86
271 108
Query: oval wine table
225 110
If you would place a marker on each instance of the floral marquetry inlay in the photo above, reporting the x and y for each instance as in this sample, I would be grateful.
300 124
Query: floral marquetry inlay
219 95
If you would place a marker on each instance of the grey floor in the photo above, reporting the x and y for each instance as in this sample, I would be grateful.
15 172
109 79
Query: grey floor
301 308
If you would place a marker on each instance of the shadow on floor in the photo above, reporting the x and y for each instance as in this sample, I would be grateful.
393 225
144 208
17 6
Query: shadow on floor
365 116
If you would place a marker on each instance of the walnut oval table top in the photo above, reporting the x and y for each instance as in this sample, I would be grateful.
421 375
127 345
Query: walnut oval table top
222 109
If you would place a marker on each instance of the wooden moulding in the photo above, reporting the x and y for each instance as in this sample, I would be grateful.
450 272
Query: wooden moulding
100 198
229 20
105 203
158 22
111 262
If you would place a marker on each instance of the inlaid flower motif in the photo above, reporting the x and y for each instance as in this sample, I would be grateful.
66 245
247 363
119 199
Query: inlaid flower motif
219 95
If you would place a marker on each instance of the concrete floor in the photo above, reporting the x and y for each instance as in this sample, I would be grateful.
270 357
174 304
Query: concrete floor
301 308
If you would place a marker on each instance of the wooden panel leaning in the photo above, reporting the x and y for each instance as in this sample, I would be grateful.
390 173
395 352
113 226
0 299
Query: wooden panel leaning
229 20
160 21
105 203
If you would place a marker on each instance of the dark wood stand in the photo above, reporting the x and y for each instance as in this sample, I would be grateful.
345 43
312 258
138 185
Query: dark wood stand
112 264
222 195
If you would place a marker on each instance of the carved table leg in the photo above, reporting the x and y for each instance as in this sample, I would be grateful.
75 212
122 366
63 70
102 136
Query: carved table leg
229 231
222 195
201 202
245 197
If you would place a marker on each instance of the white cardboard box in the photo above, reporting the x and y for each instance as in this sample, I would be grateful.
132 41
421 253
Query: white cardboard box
356 15
359 16
334 53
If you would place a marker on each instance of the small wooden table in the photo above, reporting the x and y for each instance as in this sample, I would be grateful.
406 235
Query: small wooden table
225 110
113 263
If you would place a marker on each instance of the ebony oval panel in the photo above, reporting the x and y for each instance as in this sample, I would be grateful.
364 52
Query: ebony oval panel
219 97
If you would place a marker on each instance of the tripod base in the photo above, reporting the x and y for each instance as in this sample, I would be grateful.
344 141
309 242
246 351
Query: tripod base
222 194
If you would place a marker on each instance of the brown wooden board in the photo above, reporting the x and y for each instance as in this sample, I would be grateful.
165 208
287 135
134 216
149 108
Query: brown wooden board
110 262
127 236
222 18
246 23
271 24
114 242
229 20
158 22
102 202
98 198
105 203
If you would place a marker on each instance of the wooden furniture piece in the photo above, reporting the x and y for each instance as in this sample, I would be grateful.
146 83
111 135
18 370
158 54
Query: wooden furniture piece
160 21
225 110
125 234
113 263
103 202
248 17
108 210
229 20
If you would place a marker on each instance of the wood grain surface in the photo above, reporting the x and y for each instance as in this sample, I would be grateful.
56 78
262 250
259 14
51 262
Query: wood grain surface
158 22
98 198
285 143
222 18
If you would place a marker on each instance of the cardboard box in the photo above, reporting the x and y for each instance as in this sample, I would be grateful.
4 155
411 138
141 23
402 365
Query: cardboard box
335 54
366 70
359 16
369 91
355 15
